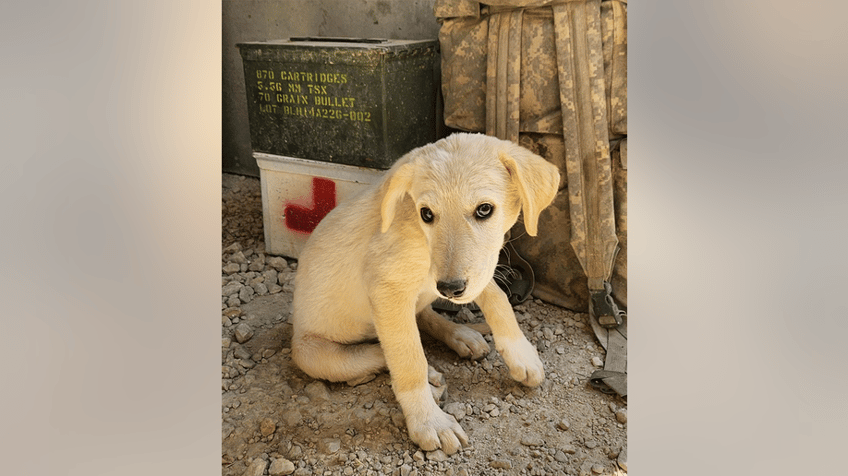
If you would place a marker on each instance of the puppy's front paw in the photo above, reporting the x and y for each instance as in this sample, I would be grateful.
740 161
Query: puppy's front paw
523 361
468 343
435 430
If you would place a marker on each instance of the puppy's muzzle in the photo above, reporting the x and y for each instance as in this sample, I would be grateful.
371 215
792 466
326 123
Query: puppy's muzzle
451 289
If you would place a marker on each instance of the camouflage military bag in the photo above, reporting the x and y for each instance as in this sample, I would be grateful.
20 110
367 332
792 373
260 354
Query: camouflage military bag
551 75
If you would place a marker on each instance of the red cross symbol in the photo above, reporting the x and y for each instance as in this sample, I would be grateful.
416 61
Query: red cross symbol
304 220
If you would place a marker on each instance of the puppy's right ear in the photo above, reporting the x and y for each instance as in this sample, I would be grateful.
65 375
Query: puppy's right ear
395 188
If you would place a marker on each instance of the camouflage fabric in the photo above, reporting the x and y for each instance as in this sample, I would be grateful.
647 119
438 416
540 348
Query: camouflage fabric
550 75
614 34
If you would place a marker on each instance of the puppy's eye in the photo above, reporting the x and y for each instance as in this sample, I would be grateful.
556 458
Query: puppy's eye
427 215
484 211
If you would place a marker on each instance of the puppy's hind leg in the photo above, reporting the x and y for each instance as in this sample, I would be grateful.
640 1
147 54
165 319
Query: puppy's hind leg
324 359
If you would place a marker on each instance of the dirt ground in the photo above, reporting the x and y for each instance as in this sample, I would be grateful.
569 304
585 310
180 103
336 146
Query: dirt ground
276 420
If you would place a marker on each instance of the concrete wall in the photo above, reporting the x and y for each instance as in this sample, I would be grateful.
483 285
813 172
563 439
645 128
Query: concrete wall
260 20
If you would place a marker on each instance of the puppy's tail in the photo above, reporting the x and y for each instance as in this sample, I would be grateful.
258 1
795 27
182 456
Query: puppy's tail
328 360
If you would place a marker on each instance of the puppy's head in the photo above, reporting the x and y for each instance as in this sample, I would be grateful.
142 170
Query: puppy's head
465 192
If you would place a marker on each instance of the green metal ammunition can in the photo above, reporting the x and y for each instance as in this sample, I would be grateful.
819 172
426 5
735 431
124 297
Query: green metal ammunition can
350 101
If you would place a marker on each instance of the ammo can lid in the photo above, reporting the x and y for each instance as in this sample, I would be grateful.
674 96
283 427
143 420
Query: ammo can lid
309 49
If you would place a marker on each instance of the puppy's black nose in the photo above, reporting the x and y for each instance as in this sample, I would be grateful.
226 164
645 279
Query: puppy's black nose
451 289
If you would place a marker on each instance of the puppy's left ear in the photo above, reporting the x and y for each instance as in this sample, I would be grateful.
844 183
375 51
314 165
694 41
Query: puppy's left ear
394 189
536 179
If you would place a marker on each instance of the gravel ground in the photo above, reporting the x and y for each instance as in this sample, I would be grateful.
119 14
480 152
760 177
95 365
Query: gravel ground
278 421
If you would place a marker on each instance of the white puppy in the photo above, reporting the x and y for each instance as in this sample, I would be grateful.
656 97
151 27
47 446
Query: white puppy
432 227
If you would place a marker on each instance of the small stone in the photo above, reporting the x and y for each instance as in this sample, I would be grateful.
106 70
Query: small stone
622 459
563 424
292 417
437 456
231 288
532 440
405 470
246 294
569 449
267 427
501 464
232 248
317 391
277 263
233 312
225 342
238 257
495 412
260 289
591 444
597 468
330 445
240 352
295 452
281 467
247 363
256 468
560 456
243 333
418 456
457 409
621 415
256 265
231 268
597 362
234 301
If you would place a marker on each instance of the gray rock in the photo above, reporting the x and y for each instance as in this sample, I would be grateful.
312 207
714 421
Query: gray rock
231 268
563 424
240 352
238 257
437 455
622 459
292 417
277 263
560 456
281 467
260 289
532 440
247 363
501 464
621 415
232 248
270 276
317 391
231 288
457 409
243 333
256 468
330 445
246 294
569 449
233 301
257 265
